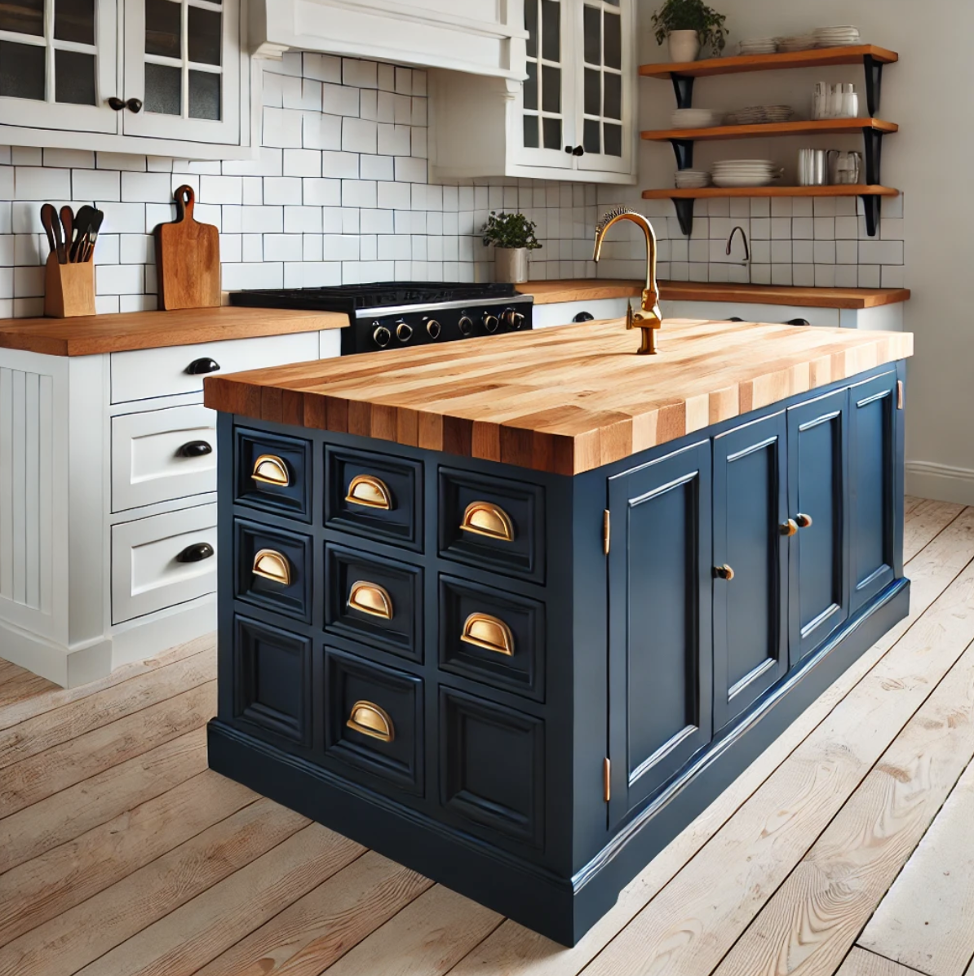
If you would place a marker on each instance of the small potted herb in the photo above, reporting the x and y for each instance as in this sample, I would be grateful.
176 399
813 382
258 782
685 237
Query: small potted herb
512 236
689 25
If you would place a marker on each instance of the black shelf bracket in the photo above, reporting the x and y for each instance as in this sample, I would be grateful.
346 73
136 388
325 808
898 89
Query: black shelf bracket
874 83
683 86
872 141
684 153
684 213
872 207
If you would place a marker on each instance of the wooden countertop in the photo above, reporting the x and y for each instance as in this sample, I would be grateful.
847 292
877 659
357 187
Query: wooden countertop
582 290
119 332
560 400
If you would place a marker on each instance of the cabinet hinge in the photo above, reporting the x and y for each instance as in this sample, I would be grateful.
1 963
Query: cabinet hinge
607 779
606 531
899 395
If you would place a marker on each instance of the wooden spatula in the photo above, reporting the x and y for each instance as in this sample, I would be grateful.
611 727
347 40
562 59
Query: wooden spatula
188 258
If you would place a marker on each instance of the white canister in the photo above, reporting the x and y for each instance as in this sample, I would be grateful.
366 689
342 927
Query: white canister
684 46
511 265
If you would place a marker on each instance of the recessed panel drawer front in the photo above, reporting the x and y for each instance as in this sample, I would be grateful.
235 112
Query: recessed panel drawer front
162 561
274 569
492 636
375 601
272 472
272 680
374 722
492 769
144 373
374 495
161 455
492 523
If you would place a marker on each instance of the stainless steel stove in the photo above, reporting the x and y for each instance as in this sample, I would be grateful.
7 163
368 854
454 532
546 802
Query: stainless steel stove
392 315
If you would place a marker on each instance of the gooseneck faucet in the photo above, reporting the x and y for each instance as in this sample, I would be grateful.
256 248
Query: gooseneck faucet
651 318
747 249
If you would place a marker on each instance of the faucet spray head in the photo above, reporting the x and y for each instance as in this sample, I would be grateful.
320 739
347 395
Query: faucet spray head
603 225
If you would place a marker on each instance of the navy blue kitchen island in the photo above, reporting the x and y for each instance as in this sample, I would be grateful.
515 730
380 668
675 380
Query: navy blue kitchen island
518 664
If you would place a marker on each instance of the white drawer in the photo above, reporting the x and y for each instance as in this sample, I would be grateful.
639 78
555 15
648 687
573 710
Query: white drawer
144 373
563 313
147 573
160 455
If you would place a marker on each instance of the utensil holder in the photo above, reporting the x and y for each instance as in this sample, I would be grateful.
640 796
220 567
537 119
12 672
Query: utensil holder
69 289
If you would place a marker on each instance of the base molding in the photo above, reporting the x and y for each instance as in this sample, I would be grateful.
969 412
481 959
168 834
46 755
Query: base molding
928 480
562 909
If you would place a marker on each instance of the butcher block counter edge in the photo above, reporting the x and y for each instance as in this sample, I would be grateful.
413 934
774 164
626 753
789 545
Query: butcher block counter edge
564 401
581 290
123 331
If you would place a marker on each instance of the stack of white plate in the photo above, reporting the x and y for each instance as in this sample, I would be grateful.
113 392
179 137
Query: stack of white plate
800 42
759 45
695 119
836 36
692 179
755 115
745 172
779 113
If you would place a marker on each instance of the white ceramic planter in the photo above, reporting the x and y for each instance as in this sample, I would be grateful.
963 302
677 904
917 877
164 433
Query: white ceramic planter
511 265
684 45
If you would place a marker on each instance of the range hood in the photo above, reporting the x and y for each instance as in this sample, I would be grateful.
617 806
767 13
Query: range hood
482 37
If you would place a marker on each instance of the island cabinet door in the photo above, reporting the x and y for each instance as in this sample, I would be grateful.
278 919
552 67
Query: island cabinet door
750 564
660 649
817 484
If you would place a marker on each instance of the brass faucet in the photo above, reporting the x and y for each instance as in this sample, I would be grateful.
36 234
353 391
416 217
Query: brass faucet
651 318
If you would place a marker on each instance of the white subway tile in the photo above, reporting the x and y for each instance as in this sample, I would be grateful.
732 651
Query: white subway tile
231 247
875 252
134 249
393 140
323 193
419 82
419 115
252 247
760 228
321 131
824 206
803 275
282 128
359 193
802 228
760 207
782 274
96 185
846 253
781 254
263 274
824 252
892 229
74 158
846 276
283 247
155 214
302 220
128 218
340 247
215 189
302 162
25 156
311 247
394 196
282 190
396 247
825 276
846 228
119 161
845 206
869 276
359 74
104 305
41 184
120 279
338 100
148 187
252 190
253 220
323 67
419 146
801 207
376 167
824 228
340 165
387 77
781 207
893 276
411 170
138 303
803 252
359 136
369 104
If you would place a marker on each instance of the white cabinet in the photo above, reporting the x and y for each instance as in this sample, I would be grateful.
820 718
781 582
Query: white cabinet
169 77
572 118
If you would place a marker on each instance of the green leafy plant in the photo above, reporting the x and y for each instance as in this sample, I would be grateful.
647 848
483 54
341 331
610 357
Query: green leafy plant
691 15
510 231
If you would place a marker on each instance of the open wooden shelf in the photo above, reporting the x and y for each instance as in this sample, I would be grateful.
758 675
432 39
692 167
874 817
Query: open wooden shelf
810 128
835 190
817 58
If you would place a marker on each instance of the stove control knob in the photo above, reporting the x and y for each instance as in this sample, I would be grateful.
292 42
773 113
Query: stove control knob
381 337
466 325
512 318
433 328
490 322
404 332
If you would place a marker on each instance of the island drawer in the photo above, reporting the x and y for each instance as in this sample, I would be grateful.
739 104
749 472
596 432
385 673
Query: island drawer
273 569
492 636
273 472
374 722
374 601
374 495
162 454
492 523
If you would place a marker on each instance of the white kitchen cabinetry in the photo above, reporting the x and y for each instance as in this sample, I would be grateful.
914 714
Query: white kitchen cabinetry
573 118
107 506
169 77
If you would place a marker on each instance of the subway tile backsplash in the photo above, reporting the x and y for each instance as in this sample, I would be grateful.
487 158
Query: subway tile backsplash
340 193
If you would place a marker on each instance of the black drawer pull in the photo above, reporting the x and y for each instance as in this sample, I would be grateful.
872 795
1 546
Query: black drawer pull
195 449
583 317
203 365
797 322
195 553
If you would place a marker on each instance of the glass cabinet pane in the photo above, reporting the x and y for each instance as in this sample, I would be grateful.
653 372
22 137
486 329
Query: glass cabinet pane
603 88
542 91
22 17
74 20
613 41
204 95
551 30
163 34
74 77
592 26
205 36
21 70
163 89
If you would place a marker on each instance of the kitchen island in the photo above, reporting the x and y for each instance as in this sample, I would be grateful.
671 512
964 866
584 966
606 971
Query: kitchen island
515 616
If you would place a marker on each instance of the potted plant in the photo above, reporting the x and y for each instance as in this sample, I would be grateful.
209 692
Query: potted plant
689 25
512 236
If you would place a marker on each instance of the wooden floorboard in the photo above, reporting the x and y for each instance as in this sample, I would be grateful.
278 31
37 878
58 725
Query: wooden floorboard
927 519
862 963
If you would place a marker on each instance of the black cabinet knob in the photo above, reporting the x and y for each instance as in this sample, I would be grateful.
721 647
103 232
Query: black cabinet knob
575 150
134 105
735 318
583 317
195 553
797 322
116 103
203 365
195 449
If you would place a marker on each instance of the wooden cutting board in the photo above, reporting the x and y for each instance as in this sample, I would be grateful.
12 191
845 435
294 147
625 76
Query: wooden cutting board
188 258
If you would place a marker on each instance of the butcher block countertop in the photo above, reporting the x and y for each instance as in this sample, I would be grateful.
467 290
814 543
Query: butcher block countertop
582 290
561 400
123 331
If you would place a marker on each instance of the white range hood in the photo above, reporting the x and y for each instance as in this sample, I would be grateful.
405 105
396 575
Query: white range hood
482 37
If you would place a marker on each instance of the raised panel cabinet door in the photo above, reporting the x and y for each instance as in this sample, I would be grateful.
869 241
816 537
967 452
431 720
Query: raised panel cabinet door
660 651
750 564
874 474
817 482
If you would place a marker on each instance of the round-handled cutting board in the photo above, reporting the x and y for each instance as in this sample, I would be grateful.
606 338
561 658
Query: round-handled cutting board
188 258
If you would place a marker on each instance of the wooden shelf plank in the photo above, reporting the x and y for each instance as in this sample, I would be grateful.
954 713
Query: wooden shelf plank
818 58
806 128
853 190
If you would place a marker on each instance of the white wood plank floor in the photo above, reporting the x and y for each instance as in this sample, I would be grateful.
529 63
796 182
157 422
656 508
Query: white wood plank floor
845 848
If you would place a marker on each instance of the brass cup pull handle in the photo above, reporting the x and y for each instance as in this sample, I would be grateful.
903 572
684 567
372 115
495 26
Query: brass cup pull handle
488 632
487 519
803 520
370 598
371 720
788 528
369 491
272 471
724 572
272 565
